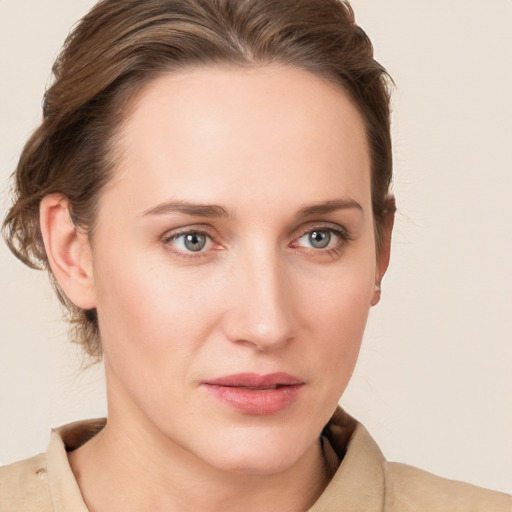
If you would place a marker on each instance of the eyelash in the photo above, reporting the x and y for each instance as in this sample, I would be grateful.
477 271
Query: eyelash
343 240
343 236
167 239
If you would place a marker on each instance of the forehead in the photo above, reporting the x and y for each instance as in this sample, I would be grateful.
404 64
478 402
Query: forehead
261 130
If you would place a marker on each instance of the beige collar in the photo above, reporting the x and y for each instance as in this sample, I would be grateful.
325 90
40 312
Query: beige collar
64 489
359 479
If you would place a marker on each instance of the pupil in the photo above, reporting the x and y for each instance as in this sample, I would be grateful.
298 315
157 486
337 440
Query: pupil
195 242
320 239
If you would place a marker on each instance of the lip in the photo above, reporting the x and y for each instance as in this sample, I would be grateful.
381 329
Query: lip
255 394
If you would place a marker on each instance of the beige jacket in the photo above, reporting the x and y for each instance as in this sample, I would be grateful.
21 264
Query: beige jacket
364 481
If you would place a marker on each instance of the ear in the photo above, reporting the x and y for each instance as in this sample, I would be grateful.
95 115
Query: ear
68 251
384 251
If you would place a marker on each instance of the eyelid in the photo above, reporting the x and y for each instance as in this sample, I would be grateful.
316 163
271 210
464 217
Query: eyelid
343 235
340 232
173 234
185 229
324 226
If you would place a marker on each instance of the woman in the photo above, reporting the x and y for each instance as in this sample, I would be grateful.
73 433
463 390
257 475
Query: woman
209 190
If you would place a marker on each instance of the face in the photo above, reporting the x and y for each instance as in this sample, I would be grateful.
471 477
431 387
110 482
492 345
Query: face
234 262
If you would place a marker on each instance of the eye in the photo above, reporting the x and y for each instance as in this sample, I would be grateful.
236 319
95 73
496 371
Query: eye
319 239
323 239
192 241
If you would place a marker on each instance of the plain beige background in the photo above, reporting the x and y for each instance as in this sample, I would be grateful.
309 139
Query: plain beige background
434 380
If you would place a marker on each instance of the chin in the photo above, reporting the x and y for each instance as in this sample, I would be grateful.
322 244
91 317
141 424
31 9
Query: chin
257 453
260 462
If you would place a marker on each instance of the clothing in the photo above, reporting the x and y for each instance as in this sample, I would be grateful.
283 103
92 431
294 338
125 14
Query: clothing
364 481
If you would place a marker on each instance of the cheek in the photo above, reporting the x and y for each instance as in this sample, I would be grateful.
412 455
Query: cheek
337 311
150 333
341 294
154 319
143 304
345 319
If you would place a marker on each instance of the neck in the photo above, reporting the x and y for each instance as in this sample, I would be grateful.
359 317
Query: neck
142 469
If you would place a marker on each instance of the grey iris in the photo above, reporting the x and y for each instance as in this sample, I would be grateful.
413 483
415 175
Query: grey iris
195 241
319 239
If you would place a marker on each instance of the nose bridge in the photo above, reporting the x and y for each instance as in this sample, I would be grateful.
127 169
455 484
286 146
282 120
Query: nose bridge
261 310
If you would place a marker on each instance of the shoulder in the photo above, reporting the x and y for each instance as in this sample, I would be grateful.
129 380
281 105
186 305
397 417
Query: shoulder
366 481
413 489
46 482
24 486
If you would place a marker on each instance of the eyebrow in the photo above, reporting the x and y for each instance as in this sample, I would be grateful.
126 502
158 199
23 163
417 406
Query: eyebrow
216 211
195 209
329 207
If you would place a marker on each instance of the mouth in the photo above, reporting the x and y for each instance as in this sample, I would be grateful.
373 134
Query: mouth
254 394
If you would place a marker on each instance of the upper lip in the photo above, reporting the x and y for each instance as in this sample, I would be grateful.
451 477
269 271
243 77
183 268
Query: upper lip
256 381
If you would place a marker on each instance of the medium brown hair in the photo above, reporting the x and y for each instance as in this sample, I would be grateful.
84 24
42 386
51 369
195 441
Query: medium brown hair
121 45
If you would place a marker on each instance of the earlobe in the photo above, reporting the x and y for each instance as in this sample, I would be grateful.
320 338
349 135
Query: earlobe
68 251
376 294
384 250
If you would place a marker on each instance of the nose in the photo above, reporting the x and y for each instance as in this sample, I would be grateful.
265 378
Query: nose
260 311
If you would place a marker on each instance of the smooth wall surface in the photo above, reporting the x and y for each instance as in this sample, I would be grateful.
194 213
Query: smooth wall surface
434 380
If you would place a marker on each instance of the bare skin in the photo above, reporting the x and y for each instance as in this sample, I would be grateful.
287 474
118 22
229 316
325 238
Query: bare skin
237 236
189 486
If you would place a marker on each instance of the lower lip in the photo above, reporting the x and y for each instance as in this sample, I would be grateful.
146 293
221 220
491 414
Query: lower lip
256 402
